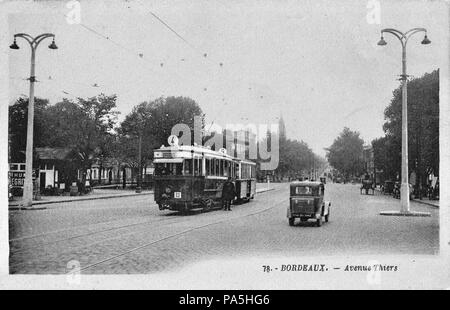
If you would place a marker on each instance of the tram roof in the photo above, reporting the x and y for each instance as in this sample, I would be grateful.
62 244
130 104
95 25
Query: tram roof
195 149
201 150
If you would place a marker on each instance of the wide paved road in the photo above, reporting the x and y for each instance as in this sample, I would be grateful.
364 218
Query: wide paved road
130 235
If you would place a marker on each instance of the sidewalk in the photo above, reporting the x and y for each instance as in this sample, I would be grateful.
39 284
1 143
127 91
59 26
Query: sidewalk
95 194
263 188
100 194
426 201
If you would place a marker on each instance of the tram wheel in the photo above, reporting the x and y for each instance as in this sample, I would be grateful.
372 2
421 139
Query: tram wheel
207 204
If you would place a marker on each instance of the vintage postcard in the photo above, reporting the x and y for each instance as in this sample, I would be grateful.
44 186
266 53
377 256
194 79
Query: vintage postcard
214 144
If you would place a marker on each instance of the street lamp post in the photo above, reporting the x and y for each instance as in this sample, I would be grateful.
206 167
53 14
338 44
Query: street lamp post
404 190
34 42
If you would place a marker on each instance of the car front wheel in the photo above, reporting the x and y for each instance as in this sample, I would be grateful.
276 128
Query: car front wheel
291 221
319 222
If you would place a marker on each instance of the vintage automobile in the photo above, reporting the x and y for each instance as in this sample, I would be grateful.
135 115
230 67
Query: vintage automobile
307 202
367 185
388 187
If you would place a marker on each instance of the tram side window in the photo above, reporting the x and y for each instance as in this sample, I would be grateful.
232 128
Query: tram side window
208 166
227 168
246 171
187 167
216 167
197 167
200 166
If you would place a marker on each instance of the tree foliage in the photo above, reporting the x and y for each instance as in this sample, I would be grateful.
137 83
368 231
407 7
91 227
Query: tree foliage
86 126
154 121
296 158
17 129
423 128
345 154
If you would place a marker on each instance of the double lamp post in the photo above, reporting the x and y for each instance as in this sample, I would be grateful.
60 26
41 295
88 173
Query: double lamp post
34 43
404 190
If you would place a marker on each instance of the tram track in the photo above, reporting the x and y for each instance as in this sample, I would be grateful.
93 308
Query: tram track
165 221
81 235
56 231
160 223
135 249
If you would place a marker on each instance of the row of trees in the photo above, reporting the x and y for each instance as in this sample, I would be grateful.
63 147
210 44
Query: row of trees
423 130
346 152
296 159
90 129
86 126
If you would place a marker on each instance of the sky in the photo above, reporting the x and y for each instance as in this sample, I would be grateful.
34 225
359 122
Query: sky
315 63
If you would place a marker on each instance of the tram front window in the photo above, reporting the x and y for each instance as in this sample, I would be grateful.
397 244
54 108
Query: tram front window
169 169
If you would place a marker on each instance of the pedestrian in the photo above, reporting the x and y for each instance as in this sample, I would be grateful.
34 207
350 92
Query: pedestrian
228 194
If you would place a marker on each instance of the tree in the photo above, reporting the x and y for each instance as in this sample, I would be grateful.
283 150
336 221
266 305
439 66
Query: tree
17 129
136 126
295 157
423 127
387 156
345 154
154 121
86 126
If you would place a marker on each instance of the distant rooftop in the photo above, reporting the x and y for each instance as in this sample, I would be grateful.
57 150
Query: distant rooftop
53 153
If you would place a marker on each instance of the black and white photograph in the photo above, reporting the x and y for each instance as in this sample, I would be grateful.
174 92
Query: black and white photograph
214 144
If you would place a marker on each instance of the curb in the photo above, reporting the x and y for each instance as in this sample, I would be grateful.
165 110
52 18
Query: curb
265 190
17 207
426 203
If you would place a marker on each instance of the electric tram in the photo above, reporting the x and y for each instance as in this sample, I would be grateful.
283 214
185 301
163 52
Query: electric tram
191 177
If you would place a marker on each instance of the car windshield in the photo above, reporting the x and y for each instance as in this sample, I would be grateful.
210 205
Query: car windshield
304 190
